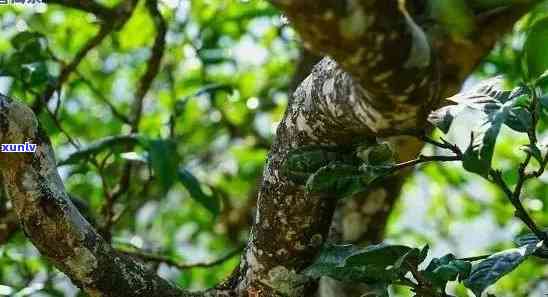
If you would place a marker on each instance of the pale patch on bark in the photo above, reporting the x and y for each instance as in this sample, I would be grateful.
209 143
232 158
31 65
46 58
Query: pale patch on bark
82 264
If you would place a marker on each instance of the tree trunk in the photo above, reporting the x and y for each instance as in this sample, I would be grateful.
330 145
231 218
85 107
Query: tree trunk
372 84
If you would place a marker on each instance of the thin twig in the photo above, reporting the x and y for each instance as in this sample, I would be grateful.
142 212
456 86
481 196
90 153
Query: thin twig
58 124
153 64
145 82
151 257
115 19
474 259
88 6
425 159
43 99
115 112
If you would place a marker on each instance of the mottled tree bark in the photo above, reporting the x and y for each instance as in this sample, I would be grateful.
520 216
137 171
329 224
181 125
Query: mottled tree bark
53 223
367 88
371 86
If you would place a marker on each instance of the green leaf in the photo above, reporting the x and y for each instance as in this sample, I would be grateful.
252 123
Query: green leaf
380 254
164 161
93 149
443 118
455 16
543 100
535 49
471 160
377 154
534 151
373 264
413 257
192 184
490 270
496 106
484 96
528 239
30 47
330 261
36 73
519 119
446 269
337 179
302 162
22 39
373 173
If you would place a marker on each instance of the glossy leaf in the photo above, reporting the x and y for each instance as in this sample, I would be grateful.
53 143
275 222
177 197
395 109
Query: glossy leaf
446 269
519 119
528 239
336 179
111 142
373 264
301 163
535 49
194 188
497 107
164 161
490 270
534 151
377 154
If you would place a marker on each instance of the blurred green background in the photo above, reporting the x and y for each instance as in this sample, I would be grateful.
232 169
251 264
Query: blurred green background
207 123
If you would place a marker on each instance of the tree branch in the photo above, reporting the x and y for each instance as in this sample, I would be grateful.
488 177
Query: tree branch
367 92
151 257
153 64
145 82
120 15
53 223
88 6
373 41
9 225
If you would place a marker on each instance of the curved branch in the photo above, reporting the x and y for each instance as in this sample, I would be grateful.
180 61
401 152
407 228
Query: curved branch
364 90
375 43
145 82
118 16
88 6
151 257
53 223
9 225
153 64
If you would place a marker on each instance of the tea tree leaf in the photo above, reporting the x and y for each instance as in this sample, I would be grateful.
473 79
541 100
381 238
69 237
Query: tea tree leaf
330 261
194 188
455 16
372 173
535 48
373 264
497 107
530 238
446 269
413 257
164 161
490 270
337 179
519 119
111 142
485 96
377 154
534 151
301 163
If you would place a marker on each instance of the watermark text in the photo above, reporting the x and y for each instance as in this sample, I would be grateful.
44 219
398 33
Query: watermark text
5 2
18 148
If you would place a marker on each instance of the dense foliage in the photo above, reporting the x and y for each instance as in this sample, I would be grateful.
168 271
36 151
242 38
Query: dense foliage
163 116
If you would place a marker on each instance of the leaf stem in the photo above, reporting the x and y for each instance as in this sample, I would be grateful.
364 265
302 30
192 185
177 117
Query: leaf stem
424 159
